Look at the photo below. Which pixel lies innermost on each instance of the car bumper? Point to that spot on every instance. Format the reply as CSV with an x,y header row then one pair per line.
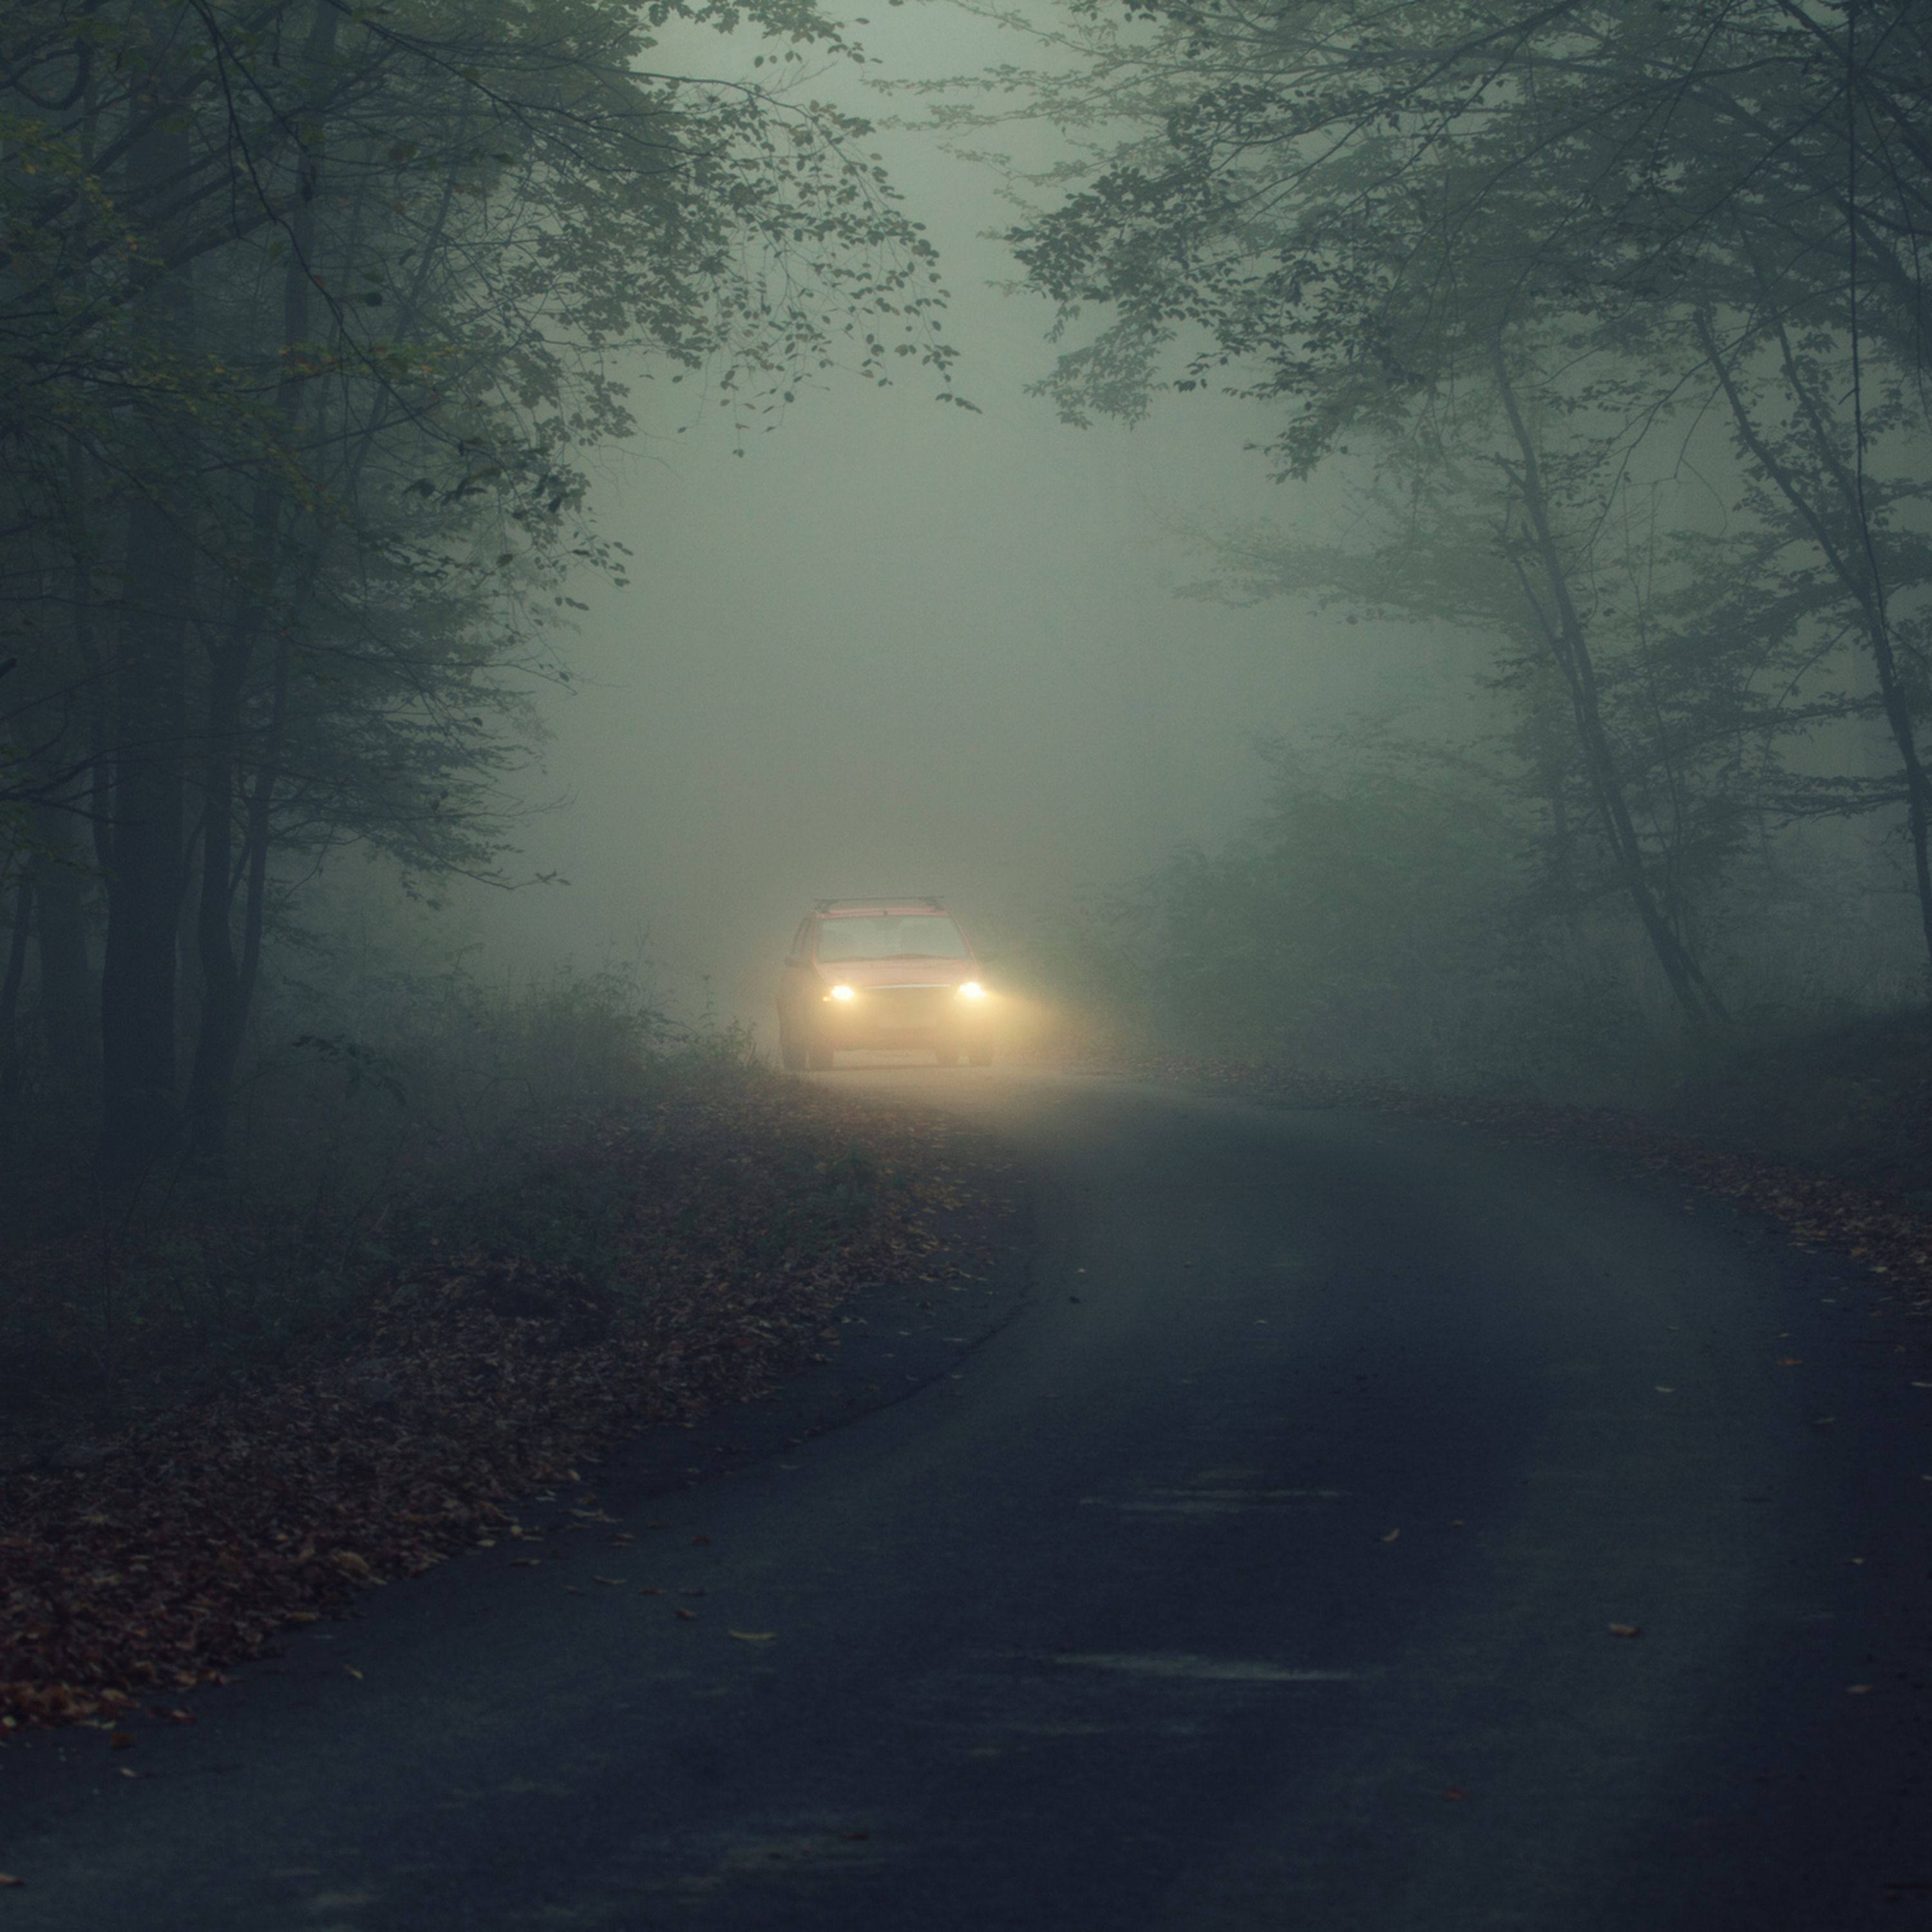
x,y
887,1017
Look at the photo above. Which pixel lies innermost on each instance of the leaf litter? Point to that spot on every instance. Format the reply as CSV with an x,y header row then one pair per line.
x,y
200,1537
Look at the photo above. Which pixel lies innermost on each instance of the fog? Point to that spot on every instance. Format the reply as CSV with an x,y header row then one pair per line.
x,y
1392,601
1565,708
891,645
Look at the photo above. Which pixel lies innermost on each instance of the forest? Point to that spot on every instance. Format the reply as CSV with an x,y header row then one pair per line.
x,y
1292,642
1601,329
312,316
1609,326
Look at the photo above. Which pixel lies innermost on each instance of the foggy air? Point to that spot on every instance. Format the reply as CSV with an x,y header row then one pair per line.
x,y
967,968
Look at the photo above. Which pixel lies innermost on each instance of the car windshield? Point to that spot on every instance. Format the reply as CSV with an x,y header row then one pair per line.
x,y
919,935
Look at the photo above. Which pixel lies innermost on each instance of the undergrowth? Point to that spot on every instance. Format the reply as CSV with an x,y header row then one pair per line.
x,y
380,1133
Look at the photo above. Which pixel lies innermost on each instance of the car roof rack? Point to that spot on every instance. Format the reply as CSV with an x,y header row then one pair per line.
x,y
882,899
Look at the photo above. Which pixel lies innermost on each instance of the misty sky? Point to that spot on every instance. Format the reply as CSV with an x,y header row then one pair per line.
x,y
897,646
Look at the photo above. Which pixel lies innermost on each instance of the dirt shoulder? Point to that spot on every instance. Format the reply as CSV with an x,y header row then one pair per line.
x,y
770,1233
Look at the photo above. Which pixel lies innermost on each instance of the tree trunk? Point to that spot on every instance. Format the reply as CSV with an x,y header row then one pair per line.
x,y
228,983
223,1013
261,810
1860,582
10,990
66,992
1570,647
140,1114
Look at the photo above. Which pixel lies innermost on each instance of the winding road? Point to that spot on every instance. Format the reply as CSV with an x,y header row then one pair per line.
x,y
1265,1570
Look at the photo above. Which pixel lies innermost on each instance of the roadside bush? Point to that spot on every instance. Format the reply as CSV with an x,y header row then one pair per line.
x,y
392,1117
1390,915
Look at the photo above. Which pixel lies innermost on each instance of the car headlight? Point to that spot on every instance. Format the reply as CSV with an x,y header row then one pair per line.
x,y
841,992
971,989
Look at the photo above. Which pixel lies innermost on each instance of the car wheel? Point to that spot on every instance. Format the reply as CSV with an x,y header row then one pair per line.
x,y
981,1056
791,1058
818,1057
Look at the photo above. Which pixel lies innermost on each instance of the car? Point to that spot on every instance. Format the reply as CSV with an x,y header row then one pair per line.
x,y
887,974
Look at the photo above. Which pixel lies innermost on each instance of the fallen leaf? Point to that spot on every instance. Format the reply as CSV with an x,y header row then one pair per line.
x,y
128,1771
1790,1361
8,1878
1456,1794
1858,1690
522,1563
696,1540
614,1582
353,1672
752,1636
687,1616
1662,1389
120,1740
283,1502
1391,1537
1626,1630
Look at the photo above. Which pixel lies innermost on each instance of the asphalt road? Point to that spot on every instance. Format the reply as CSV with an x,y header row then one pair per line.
x,y
1260,1572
